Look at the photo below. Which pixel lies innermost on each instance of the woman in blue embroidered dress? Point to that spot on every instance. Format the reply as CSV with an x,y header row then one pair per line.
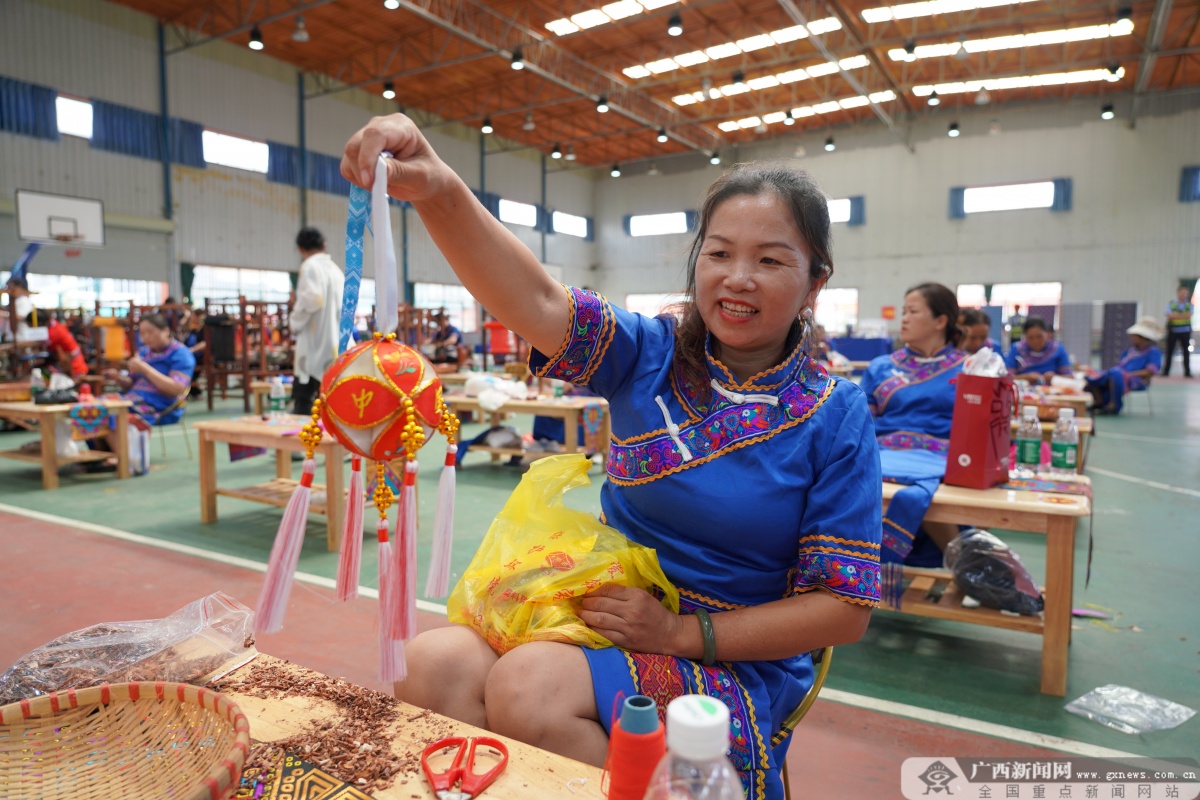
x,y
751,472
1138,364
911,394
1038,357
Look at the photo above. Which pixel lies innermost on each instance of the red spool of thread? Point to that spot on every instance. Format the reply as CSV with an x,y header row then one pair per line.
x,y
637,743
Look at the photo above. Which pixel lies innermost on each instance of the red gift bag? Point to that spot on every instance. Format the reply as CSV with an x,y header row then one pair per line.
x,y
980,432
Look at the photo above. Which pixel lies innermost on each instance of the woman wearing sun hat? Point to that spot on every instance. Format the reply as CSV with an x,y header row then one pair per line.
x,y
1142,360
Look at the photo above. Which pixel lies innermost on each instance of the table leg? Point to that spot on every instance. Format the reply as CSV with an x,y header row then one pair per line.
x,y
208,478
283,464
123,443
258,404
570,418
49,423
1060,575
497,419
335,501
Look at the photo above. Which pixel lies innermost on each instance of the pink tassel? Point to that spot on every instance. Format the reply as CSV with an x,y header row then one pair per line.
x,y
437,584
350,560
406,552
285,554
393,667
391,648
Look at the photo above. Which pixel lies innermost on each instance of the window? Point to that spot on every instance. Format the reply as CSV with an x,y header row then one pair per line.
x,y
72,291
651,305
569,224
459,304
839,211
236,152
229,283
657,224
1008,198
518,213
74,117
1011,296
837,311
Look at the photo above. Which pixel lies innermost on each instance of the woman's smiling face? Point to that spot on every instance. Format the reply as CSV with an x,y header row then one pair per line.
x,y
753,277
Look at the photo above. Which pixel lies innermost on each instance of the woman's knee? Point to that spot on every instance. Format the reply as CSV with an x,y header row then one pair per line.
x,y
535,684
444,660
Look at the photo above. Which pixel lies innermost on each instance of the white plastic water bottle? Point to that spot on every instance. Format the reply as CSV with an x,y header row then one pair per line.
x,y
1064,444
695,765
1029,443
278,396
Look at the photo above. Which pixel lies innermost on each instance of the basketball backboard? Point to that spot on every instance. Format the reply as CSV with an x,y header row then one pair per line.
x,y
59,219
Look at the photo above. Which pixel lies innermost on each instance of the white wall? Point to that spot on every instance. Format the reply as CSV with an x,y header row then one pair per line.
x,y
1126,238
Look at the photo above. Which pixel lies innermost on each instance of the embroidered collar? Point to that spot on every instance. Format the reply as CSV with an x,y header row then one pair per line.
x,y
1028,353
769,379
908,359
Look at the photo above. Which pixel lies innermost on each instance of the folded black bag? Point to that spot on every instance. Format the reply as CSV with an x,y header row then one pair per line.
x,y
56,397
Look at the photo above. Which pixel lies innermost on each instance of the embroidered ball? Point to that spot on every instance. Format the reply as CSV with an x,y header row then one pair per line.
x,y
379,394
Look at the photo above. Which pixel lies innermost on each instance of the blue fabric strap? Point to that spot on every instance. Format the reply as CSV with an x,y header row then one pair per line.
x,y
356,222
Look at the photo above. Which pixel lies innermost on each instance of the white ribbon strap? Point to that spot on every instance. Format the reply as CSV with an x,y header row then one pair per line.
x,y
741,399
386,283
673,430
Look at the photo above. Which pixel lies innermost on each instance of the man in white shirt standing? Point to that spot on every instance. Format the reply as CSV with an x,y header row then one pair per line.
x,y
315,317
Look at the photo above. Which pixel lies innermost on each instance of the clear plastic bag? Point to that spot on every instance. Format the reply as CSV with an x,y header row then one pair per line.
x,y
1130,711
986,569
198,643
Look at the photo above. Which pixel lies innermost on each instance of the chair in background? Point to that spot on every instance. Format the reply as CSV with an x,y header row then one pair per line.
x,y
180,403
1143,393
821,660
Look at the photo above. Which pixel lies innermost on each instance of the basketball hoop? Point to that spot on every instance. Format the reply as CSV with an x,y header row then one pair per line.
x,y
68,239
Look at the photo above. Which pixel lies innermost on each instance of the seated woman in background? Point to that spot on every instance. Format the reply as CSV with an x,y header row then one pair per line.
x,y
1138,364
1038,357
158,376
975,327
911,395
446,342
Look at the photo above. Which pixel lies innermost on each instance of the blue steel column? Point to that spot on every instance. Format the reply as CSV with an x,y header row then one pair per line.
x,y
164,124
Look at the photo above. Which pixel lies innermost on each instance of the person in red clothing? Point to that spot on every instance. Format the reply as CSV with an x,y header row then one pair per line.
x,y
502,344
64,350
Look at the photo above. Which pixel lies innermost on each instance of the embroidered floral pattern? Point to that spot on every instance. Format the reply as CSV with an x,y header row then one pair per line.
x,y
591,332
850,574
908,369
907,440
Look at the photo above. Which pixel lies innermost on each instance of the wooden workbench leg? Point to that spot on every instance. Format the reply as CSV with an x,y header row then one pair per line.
x,y
258,403
497,419
1060,575
283,464
570,420
208,478
123,470
335,496
49,423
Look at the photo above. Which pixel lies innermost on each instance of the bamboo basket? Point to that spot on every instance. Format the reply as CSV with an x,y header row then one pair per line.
x,y
125,740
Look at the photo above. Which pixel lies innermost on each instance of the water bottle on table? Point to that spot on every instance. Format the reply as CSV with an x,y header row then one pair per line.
x,y
278,397
1029,443
1064,444
695,765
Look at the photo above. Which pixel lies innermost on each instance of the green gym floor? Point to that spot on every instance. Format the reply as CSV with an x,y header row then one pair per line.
x,y
977,686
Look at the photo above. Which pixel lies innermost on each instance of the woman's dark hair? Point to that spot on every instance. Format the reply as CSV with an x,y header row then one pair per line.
x,y
157,320
810,212
310,239
1037,322
969,317
942,303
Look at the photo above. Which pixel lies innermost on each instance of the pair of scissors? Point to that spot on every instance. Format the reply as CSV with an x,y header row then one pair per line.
x,y
461,772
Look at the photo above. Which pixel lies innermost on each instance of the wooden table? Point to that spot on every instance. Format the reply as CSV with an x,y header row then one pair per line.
x,y
1080,402
531,773
455,381
1054,515
30,416
568,409
278,435
261,390
1085,425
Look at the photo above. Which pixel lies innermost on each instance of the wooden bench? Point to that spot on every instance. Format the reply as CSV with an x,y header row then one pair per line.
x,y
932,593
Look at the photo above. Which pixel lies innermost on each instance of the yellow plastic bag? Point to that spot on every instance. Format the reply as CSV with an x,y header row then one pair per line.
x,y
539,558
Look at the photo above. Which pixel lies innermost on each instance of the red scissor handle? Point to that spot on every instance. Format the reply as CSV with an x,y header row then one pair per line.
x,y
475,782
444,781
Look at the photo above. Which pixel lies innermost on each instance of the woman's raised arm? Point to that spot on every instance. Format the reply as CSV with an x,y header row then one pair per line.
x,y
494,266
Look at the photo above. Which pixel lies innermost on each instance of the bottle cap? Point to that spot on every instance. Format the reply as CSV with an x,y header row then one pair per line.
x,y
1066,413
697,727
1029,412
639,714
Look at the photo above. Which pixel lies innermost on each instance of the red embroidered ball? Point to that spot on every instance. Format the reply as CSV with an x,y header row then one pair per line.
x,y
365,392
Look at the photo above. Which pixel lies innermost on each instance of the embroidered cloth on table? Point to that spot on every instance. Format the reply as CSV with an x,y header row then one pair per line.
x,y
1046,485
921,472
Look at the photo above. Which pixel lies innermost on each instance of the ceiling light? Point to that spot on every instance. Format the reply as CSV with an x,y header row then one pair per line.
x,y
1107,112
487,125
1113,69
299,33
256,42
739,79
962,53
389,90
790,119
602,105
829,145
953,131
934,100
715,158
615,171
653,169
1022,81
927,8
571,152
556,152
1124,13
518,60
982,98
675,25
662,135
391,5
994,128
910,51
528,124
707,86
